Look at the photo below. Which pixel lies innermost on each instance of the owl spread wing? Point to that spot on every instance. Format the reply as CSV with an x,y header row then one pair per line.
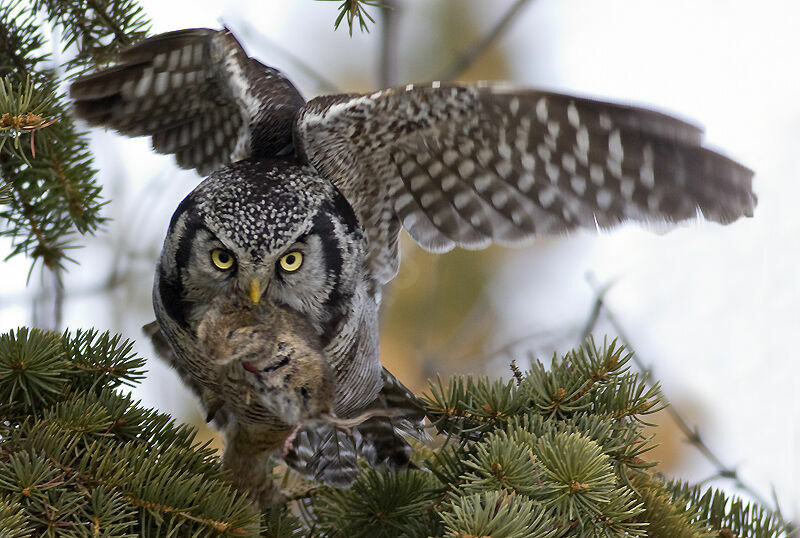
x,y
197,94
454,164
465,165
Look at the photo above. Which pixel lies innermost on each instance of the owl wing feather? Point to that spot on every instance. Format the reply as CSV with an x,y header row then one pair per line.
x,y
456,165
197,94
466,165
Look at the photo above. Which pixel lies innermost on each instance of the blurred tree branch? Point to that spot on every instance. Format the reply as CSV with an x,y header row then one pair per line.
x,y
387,64
324,84
468,56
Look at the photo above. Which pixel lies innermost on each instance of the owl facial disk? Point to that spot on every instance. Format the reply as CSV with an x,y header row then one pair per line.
x,y
249,234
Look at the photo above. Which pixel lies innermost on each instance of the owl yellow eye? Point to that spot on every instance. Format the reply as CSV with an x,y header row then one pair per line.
x,y
222,259
291,262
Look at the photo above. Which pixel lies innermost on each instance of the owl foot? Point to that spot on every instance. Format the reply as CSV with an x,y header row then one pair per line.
x,y
287,444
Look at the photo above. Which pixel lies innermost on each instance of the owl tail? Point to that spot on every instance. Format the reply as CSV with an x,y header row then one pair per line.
x,y
321,452
326,453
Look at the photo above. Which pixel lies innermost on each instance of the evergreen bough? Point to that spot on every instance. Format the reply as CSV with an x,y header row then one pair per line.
x,y
556,451
48,192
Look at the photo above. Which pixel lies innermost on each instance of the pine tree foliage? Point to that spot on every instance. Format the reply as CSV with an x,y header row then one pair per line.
x,y
48,191
78,458
558,451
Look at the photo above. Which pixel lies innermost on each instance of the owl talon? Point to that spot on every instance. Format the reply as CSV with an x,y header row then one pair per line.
x,y
289,442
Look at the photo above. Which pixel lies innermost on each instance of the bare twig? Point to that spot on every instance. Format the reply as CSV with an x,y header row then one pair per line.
x,y
508,348
473,52
692,434
597,307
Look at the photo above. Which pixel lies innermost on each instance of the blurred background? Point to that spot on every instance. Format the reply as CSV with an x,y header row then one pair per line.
x,y
711,310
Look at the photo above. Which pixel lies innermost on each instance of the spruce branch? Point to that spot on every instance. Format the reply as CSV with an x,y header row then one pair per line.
x,y
31,369
728,516
280,523
98,29
22,114
667,518
49,192
13,522
495,513
580,465
379,504
76,455
503,463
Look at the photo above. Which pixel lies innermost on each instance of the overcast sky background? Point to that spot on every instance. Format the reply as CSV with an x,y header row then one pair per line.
x,y
714,310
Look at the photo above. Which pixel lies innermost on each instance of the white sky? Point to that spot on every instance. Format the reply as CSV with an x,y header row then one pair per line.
x,y
713,309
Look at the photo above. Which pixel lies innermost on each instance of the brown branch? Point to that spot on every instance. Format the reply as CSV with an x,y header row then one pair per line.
x,y
219,526
247,31
28,213
68,473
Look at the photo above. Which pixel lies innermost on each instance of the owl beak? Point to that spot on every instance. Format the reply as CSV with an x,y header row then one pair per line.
x,y
255,290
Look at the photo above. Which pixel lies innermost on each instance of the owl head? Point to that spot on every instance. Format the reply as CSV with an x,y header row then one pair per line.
x,y
269,233
258,273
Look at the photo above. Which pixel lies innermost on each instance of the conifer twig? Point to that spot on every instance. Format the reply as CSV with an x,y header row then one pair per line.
x,y
352,10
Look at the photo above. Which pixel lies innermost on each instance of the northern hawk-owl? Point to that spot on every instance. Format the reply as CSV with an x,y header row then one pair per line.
x,y
267,290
